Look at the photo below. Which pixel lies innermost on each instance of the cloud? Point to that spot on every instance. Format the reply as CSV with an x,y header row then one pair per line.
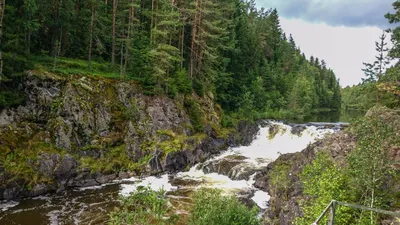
x,y
349,13
343,48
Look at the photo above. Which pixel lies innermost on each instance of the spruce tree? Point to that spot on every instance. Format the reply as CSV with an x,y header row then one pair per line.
x,y
374,71
2,8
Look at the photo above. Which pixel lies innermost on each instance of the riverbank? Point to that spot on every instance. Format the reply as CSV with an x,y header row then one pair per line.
x,y
232,171
285,178
88,131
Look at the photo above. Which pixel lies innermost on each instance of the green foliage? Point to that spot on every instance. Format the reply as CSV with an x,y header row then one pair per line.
x,y
21,163
227,47
279,177
194,112
145,207
370,166
366,177
211,207
115,160
301,97
359,97
11,98
180,83
324,181
68,66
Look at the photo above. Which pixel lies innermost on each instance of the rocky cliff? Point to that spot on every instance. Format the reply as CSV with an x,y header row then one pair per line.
x,y
82,130
284,205
284,202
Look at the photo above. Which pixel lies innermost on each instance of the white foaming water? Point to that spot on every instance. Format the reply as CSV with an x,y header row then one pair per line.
x,y
261,198
262,151
5,205
284,142
155,183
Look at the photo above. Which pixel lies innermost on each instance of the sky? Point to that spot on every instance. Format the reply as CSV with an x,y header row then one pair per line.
x,y
342,32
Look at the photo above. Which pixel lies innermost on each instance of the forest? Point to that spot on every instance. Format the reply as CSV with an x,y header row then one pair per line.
x,y
382,78
227,49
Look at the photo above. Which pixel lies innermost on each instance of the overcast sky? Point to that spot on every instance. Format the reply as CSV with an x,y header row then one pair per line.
x,y
342,32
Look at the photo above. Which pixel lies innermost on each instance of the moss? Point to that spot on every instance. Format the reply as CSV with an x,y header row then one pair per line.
x,y
222,132
22,163
115,160
178,142
168,133
280,179
56,104
92,147
131,112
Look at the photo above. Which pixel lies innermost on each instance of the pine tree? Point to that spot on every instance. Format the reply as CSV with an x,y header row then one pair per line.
x,y
92,7
2,8
30,23
209,38
163,54
114,18
374,71
394,18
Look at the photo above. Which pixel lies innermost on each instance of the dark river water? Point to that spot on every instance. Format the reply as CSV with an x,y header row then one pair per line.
x,y
346,116
92,205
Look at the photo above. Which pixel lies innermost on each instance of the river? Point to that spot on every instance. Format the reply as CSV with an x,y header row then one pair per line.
x,y
232,171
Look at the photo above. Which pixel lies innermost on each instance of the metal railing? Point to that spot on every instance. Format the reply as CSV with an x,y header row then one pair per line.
x,y
332,208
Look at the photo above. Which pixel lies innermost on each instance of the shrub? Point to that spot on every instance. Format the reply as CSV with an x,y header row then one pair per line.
x,y
144,207
212,208
323,181
194,112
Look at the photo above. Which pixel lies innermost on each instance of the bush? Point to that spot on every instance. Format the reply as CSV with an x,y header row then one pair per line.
x,y
182,82
144,207
194,112
323,181
212,208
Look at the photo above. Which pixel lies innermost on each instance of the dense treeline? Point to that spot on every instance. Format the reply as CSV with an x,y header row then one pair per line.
x,y
382,77
228,47
370,174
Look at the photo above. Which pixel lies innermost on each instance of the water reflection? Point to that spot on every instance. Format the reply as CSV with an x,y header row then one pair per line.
x,y
332,116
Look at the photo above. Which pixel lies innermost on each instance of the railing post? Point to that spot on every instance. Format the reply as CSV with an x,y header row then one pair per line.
x,y
332,214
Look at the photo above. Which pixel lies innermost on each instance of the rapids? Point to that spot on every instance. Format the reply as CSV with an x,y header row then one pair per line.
x,y
232,171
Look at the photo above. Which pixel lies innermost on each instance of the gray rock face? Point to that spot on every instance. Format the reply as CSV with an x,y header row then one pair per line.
x,y
284,206
88,117
155,163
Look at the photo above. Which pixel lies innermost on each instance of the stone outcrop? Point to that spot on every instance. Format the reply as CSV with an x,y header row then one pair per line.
x,y
284,204
68,120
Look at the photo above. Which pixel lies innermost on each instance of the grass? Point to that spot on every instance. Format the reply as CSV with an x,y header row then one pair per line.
x,y
22,163
276,114
177,142
69,66
115,160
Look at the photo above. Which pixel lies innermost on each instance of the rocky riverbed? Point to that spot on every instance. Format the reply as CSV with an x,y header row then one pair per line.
x,y
238,171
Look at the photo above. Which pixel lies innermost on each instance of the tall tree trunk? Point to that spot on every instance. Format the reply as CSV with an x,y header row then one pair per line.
x,y
122,61
182,45
152,21
57,4
131,16
28,41
201,40
2,7
57,49
193,45
114,18
91,38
